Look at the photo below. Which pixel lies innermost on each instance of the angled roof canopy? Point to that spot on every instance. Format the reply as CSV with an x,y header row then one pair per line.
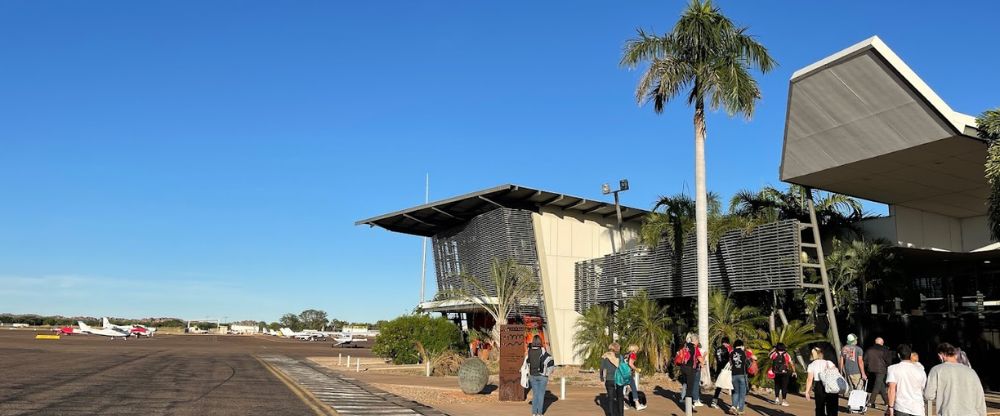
x,y
862,123
429,219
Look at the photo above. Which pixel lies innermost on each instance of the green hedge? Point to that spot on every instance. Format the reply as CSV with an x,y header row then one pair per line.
x,y
397,338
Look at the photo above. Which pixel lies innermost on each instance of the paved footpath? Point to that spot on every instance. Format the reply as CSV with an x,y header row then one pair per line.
x,y
345,395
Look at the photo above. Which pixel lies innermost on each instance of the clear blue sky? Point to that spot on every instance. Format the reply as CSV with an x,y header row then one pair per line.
x,y
209,159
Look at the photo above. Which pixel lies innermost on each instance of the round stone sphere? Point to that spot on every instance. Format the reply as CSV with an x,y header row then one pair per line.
x,y
473,376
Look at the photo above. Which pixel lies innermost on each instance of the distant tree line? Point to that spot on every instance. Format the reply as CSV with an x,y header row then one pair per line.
x,y
317,320
59,320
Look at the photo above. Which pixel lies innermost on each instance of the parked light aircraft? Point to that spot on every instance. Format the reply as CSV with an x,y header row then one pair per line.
x,y
345,339
304,335
68,330
113,333
135,330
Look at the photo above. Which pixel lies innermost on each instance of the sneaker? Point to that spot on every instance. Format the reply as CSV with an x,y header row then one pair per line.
x,y
698,404
713,405
640,406
785,403
732,411
777,401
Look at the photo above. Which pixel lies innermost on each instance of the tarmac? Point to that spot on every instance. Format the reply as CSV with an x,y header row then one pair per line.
x,y
166,374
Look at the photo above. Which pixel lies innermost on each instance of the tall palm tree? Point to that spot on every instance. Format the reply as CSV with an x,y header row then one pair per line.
x,y
592,338
709,58
728,319
796,336
856,267
644,322
989,129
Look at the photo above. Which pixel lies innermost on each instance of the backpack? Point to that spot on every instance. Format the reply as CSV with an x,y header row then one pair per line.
x,y
623,375
832,381
683,357
779,365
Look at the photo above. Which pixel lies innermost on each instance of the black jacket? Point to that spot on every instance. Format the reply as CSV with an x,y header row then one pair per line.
x,y
877,359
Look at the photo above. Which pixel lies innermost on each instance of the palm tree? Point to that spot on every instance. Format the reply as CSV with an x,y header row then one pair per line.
x,y
709,57
837,214
509,285
796,336
592,338
854,268
644,322
728,319
989,129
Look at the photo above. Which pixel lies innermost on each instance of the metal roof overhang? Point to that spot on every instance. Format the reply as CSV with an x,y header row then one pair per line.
x,y
429,219
862,123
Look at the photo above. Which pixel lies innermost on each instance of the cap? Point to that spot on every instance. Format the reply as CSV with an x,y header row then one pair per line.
x,y
852,338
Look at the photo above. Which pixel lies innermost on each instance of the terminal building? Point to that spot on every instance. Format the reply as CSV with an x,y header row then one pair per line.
x,y
859,123
546,231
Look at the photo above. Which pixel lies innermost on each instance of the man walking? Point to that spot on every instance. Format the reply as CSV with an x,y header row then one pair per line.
x,y
906,384
877,359
540,366
852,363
954,388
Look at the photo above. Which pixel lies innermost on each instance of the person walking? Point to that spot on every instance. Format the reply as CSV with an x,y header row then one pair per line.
x,y
633,351
852,363
721,359
609,366
740,361
781,366
954,387
877,360
540,366
826,403
690,360
906,384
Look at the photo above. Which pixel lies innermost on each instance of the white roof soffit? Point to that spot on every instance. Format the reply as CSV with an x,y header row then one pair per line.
x,y
862,123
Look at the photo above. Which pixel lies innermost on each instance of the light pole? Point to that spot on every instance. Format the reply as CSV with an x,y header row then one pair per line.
x,y
606,189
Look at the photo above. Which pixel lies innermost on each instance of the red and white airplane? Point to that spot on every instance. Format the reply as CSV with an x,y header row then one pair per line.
x,y
68,330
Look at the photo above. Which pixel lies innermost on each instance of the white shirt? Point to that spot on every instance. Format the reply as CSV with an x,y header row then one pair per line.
x,y
910,380
817,367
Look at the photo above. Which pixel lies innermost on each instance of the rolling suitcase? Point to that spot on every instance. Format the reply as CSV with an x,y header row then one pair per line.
x,y
857,400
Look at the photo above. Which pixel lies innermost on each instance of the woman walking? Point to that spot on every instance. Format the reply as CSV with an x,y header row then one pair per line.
x,y
690,360
781,366
539,367
633,351
609,366
826,403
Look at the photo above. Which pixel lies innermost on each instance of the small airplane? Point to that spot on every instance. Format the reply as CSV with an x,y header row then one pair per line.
x,y
304,335
346,339
135,330
113,333
68,330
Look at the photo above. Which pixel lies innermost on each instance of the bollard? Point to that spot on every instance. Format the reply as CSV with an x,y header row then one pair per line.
x,y
562,388
340,359
428,365
358,364
637,388
348,361
687,406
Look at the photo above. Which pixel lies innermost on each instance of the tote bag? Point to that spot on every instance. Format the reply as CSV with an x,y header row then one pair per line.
x,y
725,379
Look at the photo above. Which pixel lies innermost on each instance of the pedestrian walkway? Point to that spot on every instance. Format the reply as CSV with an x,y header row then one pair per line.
x,y
347,396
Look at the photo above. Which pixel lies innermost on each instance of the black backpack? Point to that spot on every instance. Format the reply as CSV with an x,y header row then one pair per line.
x,y
779,365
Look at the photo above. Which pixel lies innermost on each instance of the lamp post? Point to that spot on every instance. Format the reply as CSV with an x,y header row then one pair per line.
x,y
606,189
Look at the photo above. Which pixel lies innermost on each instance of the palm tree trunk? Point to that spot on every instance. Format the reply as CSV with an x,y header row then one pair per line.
x,y
701,220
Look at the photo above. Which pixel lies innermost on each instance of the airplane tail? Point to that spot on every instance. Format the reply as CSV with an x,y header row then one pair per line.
x,y
287,332
83,327
106,322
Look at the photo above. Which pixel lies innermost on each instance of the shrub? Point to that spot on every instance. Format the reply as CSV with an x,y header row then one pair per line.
x,y
397,339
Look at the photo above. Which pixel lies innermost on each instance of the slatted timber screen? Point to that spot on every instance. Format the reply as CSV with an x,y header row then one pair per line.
x,y
470,248
766,258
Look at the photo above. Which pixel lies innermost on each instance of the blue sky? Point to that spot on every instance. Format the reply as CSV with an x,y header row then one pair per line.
x,y
209,159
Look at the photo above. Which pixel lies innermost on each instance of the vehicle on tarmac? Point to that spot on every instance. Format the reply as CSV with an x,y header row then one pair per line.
x,y
346,339
111,333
